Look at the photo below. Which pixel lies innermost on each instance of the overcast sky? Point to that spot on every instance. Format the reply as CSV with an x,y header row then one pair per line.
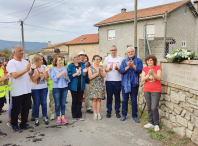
x,y
75,17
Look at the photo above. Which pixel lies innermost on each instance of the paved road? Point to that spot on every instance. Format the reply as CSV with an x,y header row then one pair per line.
x,y
106,132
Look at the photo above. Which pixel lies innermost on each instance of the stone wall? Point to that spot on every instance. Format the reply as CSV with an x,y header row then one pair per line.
x,y
178,109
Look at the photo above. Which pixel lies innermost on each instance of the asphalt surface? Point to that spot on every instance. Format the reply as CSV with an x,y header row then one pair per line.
x,y
105,132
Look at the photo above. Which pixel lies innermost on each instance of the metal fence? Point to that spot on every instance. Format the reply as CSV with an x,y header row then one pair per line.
x,y
179,31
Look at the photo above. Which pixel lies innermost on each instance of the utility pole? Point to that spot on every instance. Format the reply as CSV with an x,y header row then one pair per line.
x,y
23,46
135,26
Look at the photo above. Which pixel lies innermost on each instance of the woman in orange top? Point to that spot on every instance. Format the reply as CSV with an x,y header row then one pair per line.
x,y
152,90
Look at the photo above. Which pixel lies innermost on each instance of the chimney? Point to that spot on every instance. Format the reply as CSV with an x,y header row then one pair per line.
x,y
196,4
49,43
123,10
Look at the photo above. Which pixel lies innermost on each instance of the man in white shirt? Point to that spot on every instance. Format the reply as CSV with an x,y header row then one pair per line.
x,y
113,80
18,69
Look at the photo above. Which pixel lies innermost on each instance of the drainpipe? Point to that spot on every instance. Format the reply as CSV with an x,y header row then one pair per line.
x,y
165,33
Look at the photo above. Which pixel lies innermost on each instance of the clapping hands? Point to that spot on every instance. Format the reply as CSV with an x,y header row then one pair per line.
x,y
150,72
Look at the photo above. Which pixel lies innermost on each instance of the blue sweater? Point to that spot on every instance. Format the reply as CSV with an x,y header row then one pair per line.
x,y
130,77
74,80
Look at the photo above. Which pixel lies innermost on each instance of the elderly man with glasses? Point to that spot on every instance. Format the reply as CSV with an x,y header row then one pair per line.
x,y
113,80
130,68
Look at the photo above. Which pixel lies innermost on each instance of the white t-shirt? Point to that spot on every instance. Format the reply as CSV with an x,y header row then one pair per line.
x,y
41,83
20,85
113,75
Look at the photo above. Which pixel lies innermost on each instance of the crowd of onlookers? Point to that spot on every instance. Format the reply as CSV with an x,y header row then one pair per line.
x,y
28,85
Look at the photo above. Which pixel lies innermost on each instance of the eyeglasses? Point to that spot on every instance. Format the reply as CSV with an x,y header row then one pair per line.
x,y
113,50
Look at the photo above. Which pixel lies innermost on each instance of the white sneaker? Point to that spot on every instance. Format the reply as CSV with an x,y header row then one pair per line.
x,y
156,128
149,125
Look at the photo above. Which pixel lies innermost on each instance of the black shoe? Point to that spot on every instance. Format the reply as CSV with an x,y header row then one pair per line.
x,y
108,114
103,98
45,121
36,122
33,118
27,127
90,111
118,114
0,121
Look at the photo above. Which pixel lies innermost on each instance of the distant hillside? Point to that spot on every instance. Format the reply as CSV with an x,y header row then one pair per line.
x,y
29,46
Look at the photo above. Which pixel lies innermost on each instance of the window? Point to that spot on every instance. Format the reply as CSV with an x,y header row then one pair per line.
x,y
183,43
82,39
111,34
150,30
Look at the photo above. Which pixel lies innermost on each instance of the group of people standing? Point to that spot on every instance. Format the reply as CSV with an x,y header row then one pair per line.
x,y
81,76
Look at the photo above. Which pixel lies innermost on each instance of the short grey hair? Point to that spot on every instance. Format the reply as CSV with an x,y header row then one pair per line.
x,y
14,48
113,46
72,57
130,48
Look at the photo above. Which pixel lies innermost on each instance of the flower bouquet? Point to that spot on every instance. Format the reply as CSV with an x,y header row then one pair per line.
x,y
179,55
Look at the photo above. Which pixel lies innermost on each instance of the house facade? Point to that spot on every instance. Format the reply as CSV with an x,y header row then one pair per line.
x,y
163,32
88,43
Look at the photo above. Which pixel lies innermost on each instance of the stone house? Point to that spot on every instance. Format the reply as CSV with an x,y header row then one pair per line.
x,y
170,18
87,43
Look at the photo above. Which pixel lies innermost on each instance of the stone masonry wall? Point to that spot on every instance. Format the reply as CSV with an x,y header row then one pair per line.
x,y
178,109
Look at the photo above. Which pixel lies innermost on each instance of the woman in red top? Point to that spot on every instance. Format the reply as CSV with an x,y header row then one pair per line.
x,y
152,90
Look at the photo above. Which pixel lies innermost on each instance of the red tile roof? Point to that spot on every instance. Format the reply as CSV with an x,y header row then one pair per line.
x,y
55,45
83,39
142,13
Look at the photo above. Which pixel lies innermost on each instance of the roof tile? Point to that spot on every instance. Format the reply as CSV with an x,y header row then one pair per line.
x,y
83,39
152,11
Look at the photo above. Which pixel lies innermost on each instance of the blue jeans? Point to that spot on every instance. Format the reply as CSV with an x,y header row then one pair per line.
x,y
113,88
125,98
60,95
40,97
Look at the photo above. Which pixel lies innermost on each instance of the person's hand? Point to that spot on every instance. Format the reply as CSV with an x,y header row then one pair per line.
x,y
150,72
111,66
28,66
86,64
79,70
66,78
34,66
64,73
48,68
85,70
4,77
116,67
99,69
131,63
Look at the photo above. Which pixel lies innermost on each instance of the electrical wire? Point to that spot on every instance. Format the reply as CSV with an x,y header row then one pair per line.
x,y
51,28
34,9
29,11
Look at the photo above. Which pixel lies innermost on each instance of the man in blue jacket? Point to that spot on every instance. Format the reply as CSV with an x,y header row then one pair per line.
x,y
130,68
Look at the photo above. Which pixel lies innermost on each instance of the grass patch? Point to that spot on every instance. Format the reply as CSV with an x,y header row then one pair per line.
x,y
157,136
166,136
169,131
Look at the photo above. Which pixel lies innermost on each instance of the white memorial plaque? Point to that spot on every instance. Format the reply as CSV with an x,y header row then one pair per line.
x,y
181,74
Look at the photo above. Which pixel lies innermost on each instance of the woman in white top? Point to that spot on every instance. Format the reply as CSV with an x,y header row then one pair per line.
x,y
39,88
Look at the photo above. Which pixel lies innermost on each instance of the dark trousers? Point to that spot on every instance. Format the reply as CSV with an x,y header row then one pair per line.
x,y
113,88
23,103
152,101
125,97
76,103
1,103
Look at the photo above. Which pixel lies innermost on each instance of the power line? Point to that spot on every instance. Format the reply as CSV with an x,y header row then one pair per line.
x,y
51,29
29,11
10,22
36,10
50,9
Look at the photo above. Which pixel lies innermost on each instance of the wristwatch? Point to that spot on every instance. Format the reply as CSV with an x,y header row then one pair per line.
x,y
32,69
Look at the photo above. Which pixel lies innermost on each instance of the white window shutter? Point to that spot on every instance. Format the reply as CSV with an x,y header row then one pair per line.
x,y
111,34
150,30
